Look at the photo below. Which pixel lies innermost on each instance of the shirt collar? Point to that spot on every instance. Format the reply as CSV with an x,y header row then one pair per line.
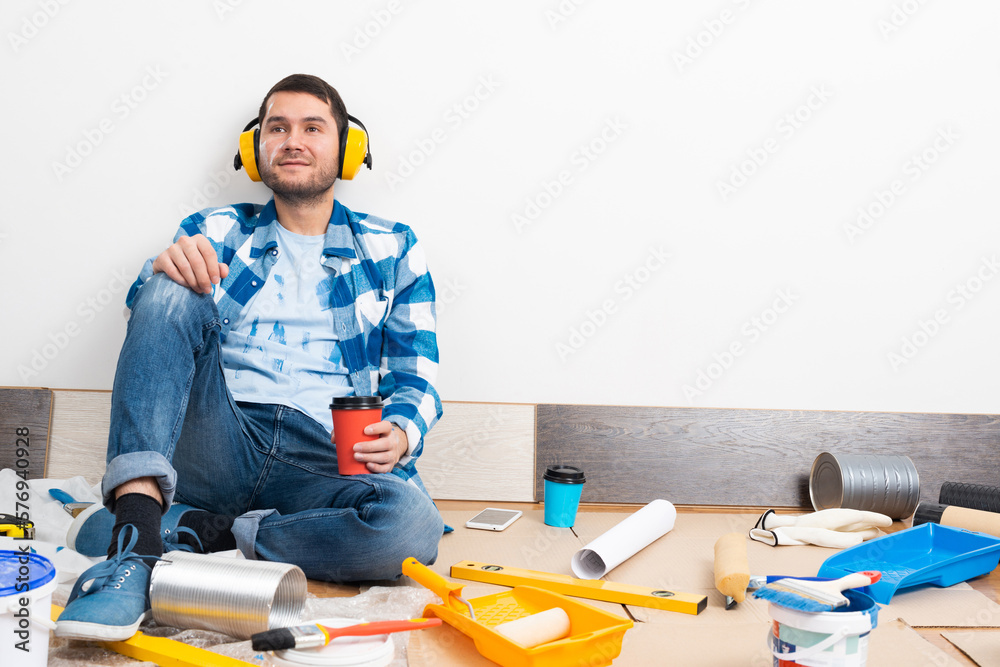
x,y
339,240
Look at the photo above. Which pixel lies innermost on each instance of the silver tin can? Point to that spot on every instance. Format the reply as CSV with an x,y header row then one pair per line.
x,y
230,595
885,484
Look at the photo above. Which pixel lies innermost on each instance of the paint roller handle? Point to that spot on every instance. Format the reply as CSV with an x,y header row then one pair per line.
x,y
448,592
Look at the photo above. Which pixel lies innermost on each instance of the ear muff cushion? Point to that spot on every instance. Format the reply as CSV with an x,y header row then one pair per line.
x,y
353,153
248,153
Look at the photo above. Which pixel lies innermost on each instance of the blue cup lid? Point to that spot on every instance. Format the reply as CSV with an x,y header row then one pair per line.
x,y
564,474
38,571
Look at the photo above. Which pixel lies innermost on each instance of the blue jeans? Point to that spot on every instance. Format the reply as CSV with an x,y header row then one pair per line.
x,y
274,468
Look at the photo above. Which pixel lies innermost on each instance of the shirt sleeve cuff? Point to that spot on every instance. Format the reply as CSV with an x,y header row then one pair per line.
x,y
413,436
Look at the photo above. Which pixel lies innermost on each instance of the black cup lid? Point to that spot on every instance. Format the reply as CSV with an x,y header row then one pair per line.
x,y
564,474
356,402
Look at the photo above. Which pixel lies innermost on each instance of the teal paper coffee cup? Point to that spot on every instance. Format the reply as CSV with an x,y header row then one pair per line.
x,y
563,485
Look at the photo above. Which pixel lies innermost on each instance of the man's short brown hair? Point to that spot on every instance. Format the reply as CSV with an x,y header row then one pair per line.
x,y
315,86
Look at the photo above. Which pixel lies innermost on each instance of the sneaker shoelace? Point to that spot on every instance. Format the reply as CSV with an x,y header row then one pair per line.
x,y
102,574
172,541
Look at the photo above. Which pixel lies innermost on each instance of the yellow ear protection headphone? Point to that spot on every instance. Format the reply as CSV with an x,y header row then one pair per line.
x,y
353,150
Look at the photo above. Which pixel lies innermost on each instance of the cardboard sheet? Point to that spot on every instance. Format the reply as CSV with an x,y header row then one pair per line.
x,y
982,646
895,643
957,607
444,646
708,646
526,543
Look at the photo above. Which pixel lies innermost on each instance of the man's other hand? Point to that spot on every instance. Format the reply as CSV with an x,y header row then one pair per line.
x,y
382,454
192,262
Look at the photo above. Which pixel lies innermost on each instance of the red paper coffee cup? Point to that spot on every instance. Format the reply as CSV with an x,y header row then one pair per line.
x,y
351,414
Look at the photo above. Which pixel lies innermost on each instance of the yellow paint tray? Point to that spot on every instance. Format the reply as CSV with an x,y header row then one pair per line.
x,y
595,636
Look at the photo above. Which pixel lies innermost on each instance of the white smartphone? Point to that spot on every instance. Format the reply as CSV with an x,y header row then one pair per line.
x,y
492,518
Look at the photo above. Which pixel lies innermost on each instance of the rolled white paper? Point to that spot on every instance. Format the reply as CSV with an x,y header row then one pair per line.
x,y
624,540
545,626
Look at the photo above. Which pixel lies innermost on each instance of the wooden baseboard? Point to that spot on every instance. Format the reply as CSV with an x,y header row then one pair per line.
x,y
693,457
25,423
732,457
478,451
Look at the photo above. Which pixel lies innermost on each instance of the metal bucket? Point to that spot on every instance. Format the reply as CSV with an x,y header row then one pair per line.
x,y
229,595
885,484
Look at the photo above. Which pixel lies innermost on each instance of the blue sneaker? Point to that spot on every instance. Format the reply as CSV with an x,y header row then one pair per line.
x,y
117,601
90,533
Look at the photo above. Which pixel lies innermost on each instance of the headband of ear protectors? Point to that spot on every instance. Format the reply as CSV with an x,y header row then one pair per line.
x,y
353,150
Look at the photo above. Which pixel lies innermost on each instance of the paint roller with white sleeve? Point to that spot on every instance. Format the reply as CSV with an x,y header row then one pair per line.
x,y
624,540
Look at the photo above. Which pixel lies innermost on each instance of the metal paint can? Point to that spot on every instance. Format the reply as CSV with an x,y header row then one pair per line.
x,y
885,484
234,596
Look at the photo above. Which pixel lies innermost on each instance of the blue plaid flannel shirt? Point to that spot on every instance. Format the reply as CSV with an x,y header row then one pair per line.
x,y
382,298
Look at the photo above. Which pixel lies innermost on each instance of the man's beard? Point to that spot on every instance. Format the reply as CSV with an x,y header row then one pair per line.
x,y
300,193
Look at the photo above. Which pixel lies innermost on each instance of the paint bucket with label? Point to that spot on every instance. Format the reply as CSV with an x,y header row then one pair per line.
x,y
230,595
837,638
26,584
888,485
371,651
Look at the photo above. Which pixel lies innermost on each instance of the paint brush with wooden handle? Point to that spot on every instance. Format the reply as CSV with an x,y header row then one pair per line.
x,y
732,569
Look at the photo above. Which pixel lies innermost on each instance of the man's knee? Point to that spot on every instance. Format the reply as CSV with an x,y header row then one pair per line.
x,y
417,533
161,299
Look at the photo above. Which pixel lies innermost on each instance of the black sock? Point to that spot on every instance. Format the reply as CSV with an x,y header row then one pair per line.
x,y
214,530
144,513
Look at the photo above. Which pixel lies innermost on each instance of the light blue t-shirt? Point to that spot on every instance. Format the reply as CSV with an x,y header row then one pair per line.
x,y
283,349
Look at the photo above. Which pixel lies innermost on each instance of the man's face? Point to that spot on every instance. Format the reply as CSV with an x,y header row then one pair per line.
x,y
299,147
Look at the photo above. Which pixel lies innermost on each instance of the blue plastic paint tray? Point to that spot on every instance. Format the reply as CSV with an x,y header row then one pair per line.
x,y
926,554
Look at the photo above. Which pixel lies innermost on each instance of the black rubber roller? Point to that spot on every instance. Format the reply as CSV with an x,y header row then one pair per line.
x,y
972,496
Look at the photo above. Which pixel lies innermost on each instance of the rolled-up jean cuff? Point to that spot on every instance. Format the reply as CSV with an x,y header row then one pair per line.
x,y
245,530
134,465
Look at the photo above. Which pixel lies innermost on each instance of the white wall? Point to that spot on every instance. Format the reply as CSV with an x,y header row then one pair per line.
x,y
836,100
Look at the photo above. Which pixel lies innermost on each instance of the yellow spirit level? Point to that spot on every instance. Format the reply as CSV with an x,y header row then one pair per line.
x,y
608,591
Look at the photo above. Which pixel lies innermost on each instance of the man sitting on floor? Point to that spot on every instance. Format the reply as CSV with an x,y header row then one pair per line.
x,y
240,333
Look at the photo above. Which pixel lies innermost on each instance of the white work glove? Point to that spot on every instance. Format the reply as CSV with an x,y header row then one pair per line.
x,y
821,537
836,528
